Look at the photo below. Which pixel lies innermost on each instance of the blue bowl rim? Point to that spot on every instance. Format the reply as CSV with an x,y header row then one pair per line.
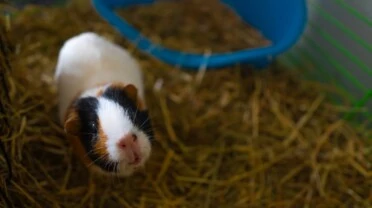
x,y
195,61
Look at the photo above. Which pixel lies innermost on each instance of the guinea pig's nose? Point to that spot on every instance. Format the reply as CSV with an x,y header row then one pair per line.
x,y
127,141
130,147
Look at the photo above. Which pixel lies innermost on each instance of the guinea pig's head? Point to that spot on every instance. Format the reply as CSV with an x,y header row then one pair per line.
x,y
113,128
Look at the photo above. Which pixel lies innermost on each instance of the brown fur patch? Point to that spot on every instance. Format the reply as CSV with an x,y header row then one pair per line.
x,y
132,93
100,146
72,129
99,93
141,104
72,122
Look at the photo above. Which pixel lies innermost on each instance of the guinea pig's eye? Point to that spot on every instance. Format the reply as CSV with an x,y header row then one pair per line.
x,y
93,125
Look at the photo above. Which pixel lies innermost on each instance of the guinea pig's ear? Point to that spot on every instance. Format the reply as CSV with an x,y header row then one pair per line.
x,y
131,91
72,123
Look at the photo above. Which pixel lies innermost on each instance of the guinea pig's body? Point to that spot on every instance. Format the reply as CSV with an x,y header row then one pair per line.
x,y
102,105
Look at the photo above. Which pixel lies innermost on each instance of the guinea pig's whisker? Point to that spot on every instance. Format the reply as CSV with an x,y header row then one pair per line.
x,y
135,114
106,165
90,164
99,158
152,129
91,151
114,173
149,131
148,118
109,164
116,169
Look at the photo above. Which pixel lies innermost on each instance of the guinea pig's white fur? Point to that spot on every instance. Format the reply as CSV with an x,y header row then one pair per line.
x,y
87,61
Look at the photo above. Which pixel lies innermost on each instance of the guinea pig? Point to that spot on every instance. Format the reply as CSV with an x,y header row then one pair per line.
x,y
102,106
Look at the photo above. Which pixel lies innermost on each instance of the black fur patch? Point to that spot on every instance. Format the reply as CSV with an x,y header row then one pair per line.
x,y
140,119
87,111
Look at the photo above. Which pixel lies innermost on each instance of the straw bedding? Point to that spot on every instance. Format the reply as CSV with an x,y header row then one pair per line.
x,y
196,24
224,139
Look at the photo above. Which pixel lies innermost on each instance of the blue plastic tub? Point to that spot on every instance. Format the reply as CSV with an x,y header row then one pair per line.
x,y
281,21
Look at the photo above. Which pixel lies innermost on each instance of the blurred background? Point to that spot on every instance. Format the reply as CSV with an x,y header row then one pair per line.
x,y
337,47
